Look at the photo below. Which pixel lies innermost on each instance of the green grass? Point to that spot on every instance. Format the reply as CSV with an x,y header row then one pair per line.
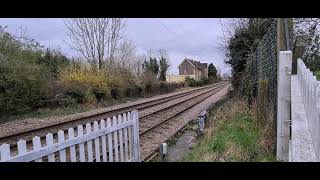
x,y
318,75
237,139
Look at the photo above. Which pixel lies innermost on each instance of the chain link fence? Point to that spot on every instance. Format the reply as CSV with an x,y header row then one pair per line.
x,y
262,65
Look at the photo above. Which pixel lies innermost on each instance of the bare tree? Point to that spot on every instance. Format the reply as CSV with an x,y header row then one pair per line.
x,y
117,25
95,38
139,63
127,54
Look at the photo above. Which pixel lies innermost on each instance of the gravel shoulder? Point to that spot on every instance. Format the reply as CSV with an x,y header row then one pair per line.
x,y
150,143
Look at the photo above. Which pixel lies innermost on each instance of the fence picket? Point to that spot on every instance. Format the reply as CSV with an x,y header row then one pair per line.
x,y
89,143
81,145
115,140
130,136
120,139
110,141
119,132
125,131
49,139
5,152
96,142
62,153
22,147
36,143
73,156
309,93
103,141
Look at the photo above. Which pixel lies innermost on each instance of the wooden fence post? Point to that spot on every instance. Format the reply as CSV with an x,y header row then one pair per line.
x,y
262,101
283,104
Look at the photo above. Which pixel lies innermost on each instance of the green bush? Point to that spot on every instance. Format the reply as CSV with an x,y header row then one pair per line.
x,y
99,94
91,98
115,92
76,94
138,89
22,86
148,88
205,81
164,87
190,82
193,83
70,102
23,81
133,90
318,75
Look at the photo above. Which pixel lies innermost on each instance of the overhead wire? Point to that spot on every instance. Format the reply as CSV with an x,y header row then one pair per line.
x,y
176,35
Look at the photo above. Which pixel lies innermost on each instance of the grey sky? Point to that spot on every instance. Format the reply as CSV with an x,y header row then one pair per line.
x,y
194,38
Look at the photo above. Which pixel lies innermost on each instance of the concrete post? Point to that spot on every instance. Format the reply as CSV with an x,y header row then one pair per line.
x,y
283,104
201,121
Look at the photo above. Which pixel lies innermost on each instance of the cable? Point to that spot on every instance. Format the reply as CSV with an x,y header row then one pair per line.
x,y
166,27
182,34
178,35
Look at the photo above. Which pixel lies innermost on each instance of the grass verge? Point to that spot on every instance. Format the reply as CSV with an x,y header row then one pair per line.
x,y
318,75
233,134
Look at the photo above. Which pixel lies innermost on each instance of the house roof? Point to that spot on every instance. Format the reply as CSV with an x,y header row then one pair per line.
x,y
196,64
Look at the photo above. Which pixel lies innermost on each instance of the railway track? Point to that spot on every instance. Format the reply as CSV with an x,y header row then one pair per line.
x,y
73,121
162,127
154,114
166,112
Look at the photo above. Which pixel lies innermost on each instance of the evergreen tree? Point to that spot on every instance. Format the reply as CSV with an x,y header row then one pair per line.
x,y
212,71
164,65
151,66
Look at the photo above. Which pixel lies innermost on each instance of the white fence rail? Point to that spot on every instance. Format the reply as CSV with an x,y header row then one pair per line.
x,y
310,92
115,140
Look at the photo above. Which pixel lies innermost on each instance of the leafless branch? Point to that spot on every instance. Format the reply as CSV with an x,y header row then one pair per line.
x,y
95,38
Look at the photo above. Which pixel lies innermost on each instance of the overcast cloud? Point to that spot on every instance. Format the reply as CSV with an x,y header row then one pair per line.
x,y
181,37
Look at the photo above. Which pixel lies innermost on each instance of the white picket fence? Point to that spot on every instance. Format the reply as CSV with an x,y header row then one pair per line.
x,y
310,91
115,140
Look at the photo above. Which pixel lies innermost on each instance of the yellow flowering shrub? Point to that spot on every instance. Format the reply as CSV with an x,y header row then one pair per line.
x,y
84,84
85,77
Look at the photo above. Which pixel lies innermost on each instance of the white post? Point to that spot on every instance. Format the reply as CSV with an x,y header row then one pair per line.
x,y
317,122
283,104
136,143
5,152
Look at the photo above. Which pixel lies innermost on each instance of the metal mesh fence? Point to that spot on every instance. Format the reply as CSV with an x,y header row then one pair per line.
x,y
262,64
